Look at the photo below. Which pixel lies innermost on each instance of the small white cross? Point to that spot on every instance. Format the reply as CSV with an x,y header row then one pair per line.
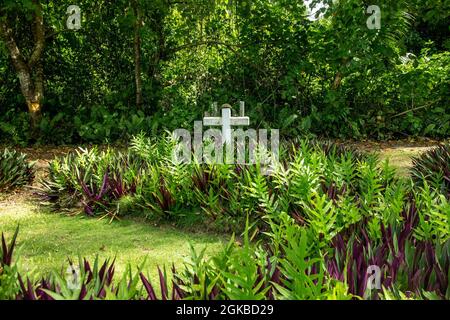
x,y
226,121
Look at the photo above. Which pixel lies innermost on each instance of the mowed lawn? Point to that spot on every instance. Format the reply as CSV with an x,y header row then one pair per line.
x,y
46,240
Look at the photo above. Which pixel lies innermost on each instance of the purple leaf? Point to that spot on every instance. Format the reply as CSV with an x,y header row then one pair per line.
x,y
148,287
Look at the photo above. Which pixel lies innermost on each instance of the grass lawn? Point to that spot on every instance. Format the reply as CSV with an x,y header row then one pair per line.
x,y
46,240
401,158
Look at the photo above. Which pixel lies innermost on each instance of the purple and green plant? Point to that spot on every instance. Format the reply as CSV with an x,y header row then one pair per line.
x,y
434,167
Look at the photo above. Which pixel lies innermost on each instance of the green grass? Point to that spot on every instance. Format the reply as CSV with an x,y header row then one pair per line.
x,y
46,240
401,158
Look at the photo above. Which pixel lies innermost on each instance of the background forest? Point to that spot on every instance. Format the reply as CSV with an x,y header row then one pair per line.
x,y
154,65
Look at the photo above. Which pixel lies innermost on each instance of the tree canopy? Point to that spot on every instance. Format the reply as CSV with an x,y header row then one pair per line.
x,y
153,65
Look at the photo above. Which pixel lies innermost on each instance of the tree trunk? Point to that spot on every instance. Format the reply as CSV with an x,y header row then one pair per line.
x,y
34,102
31,72
337,81
137,55
159,55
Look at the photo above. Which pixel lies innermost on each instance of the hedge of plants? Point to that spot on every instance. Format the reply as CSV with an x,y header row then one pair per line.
x,y
145,180
311,178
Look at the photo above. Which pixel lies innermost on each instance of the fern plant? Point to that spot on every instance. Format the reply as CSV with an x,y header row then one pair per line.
x,y
370,183
434,215
321,219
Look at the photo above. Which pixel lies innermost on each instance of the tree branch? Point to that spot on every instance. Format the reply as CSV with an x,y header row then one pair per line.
x,y
39,34
17,58
415,109
230,46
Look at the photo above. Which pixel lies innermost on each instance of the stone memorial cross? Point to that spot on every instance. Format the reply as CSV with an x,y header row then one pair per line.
x,y
227,120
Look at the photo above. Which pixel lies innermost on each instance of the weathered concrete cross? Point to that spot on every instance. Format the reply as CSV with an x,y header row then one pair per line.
x,y
226,121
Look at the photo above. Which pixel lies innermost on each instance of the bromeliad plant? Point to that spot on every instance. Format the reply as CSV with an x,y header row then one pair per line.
x,y
112,189
83,281
15,170
98,181
433,166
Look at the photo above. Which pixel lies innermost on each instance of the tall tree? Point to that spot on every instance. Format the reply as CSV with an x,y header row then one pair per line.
x,y
29,69
137,53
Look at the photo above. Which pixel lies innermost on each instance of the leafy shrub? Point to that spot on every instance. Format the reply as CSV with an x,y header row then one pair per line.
x,y
15,128
99,124
220,195
409,99
15,170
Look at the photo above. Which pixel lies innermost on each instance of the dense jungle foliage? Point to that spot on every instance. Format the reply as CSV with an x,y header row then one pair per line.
x,y
148,66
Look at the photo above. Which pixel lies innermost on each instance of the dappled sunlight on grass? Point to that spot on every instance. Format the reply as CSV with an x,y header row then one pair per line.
x,y
46,240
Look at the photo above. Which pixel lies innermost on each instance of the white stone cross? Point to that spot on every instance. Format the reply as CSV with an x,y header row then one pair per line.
x,y
226,121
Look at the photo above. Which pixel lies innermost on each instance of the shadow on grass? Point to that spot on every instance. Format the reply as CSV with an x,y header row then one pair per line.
x,y
46,240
